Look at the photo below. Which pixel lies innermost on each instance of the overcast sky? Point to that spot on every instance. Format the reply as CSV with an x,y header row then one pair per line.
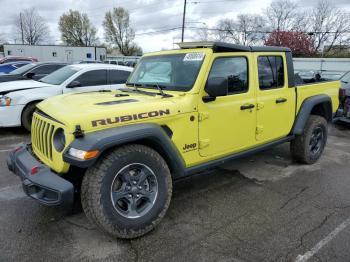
x,y
146,16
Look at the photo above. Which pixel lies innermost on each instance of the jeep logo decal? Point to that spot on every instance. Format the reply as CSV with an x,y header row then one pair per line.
x,y
189,147
126,118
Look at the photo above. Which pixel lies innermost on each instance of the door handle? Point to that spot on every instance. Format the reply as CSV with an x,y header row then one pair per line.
x,y
247,107
281,100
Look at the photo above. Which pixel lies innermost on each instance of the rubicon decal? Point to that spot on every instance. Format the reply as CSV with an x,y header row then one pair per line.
x,y
127,118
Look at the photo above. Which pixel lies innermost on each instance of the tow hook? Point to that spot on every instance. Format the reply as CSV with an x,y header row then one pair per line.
x,y
78,133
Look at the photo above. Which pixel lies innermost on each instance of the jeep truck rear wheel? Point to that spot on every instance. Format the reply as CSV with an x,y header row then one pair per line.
x,y
308,147
128,191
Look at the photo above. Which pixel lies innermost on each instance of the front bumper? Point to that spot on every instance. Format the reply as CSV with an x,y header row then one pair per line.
x,y
45,186
10,115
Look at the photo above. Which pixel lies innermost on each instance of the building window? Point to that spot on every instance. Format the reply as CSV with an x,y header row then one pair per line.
x,y
88,55
9,52
54,54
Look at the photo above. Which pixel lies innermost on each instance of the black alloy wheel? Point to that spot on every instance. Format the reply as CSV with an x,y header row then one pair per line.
x,y
134,190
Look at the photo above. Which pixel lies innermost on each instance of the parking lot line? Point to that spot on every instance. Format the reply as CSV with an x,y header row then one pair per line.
x,y
11,192
11,138
10,148
5,150
323,242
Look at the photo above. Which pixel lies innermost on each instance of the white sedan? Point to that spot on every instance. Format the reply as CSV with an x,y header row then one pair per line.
x,y
19,98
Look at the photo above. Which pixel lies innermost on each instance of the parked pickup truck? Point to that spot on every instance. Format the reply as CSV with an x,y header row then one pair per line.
x,y
181,112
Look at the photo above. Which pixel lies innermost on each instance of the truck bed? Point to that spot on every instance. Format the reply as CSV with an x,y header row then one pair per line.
x,y
329,88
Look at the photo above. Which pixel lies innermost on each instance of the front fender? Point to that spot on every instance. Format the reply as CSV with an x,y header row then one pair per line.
x,y
149,134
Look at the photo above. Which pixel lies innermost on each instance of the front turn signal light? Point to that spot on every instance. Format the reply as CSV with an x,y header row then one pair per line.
x,y
83,155
90,154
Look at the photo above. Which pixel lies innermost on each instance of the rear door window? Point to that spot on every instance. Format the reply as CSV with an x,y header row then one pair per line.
x,y
93,78
271,72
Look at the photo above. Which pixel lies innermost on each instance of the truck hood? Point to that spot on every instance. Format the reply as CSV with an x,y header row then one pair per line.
x,y
8,87
101,110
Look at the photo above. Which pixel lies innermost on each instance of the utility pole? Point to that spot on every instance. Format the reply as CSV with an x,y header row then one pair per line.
x,y
183,21
21,23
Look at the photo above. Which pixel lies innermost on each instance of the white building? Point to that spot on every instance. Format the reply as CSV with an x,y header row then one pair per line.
x,y
322,64
56,53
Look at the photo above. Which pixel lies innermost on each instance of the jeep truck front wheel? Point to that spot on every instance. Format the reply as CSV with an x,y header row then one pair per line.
x,y
27,116
128,191
308,147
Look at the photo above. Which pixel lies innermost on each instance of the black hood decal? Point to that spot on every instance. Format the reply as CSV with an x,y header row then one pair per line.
x,y
109,103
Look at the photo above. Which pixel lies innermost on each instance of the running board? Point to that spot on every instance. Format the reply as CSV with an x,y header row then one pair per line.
x,y
220,161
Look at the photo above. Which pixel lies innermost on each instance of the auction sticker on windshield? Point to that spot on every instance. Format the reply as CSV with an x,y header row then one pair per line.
x,y
194,57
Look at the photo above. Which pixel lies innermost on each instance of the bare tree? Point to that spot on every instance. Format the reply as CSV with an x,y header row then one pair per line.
x,y
301,21
225,30
245,30
328,25
119,32
203,33
77,30
281,15
31,27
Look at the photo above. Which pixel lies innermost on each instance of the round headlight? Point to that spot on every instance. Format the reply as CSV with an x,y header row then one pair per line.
x,y
59,140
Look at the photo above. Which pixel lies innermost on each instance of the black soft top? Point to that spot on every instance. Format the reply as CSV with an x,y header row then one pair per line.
x,y
227,47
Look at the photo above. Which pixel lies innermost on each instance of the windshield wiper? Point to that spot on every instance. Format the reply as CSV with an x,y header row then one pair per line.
x,y
160,88
136,90
134,85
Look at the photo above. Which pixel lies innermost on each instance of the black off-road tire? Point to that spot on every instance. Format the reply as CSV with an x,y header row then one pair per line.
x,y
300,146
27,116
96,191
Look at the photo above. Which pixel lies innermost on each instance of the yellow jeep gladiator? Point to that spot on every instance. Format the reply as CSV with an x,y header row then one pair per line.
x,y
181,112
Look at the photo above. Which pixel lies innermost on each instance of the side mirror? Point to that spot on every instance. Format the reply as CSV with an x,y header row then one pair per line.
x,y
30,75
216,86
74,84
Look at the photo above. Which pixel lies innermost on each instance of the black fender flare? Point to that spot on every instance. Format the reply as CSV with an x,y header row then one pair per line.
x,y
306,109
149,134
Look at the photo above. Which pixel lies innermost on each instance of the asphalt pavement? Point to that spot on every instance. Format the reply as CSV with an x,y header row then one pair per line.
x,y
261,208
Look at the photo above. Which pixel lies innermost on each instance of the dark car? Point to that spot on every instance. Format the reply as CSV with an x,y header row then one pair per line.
x,y
9,59
9,67
343,114
33,71
89,62
344,97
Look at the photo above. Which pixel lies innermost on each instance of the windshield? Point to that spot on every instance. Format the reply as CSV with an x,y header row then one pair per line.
x,y
173,72
22,69
59,76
